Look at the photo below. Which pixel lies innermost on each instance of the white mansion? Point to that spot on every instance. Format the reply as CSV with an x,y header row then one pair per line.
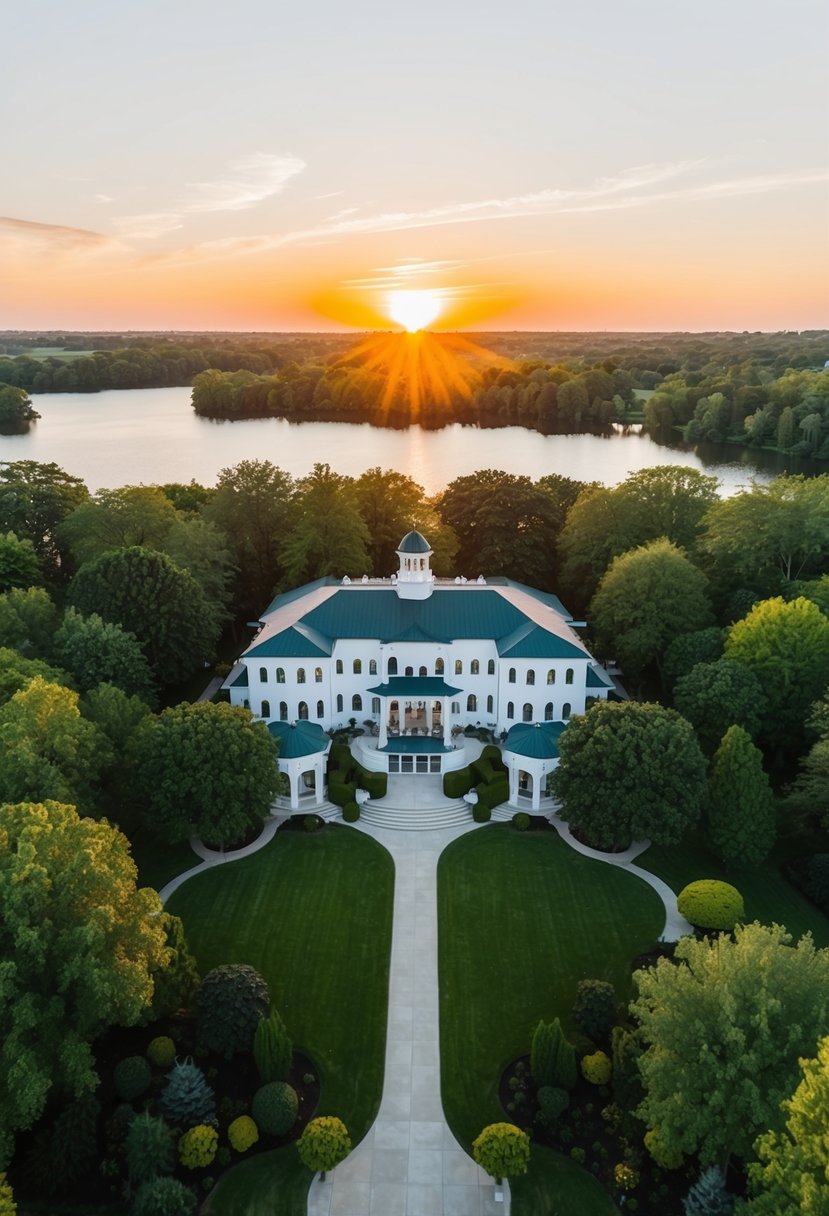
x,y
413,657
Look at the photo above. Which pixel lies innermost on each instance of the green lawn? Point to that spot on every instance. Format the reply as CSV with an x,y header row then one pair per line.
x,y
313,914
521,919
769,896
158,863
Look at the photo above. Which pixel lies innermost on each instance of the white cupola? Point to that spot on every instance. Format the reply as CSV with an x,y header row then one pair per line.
x,y
414,578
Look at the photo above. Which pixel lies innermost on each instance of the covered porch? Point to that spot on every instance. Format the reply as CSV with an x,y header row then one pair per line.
x,y
415,708
303,747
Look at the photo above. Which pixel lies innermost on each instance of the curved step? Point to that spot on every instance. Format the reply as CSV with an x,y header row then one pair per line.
x,y
421,818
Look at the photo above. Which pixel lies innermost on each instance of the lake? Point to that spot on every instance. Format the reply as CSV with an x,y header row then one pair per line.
x,y
124,437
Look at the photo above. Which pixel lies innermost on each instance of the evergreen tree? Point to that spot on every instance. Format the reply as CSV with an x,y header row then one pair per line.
x,y
741,818
552,1057
708,1196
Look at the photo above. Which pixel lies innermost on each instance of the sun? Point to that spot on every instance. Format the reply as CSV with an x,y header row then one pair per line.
x,y
414,310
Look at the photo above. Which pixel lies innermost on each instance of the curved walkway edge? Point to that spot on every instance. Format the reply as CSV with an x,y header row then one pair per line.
x,y
213,857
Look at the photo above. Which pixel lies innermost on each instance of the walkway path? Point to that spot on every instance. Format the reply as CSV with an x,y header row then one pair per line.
x,y
410,1164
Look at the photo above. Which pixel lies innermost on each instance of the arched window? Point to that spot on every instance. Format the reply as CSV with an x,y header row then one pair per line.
x,y
410,671
528,712
458,667
266,709
356,701
300,675
263,674
456,707
318,675
490,704
551,676
510,710
320,709
392,666
302,711
422,671
439,667
474,668
357,667
490,667
471,704
568,676
375,705
565,710
339,667
531,677
511,676
548,712
280,675
283,711
372,667
339,702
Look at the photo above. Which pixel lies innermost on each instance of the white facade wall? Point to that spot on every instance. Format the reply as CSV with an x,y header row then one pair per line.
x,y
541,693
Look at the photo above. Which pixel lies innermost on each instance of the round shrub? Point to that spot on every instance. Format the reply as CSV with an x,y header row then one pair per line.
x,y
163,1197
197,1147
521,820
324,1143
161,1052
274,1108
132,1078
596,1068
552,1102
311,823
242,1133
711,904
232,999
351,812
480,813
666,1156
595,1008
502,1149
625,1177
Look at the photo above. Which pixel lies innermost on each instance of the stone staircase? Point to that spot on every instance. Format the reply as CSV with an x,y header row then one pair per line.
x,y
445,814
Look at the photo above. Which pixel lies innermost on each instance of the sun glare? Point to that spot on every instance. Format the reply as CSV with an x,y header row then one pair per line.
x,y
414,310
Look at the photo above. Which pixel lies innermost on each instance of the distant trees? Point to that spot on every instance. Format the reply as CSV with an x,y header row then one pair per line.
x,y
34,500
629,771
328,536
79,943
118,519
19,564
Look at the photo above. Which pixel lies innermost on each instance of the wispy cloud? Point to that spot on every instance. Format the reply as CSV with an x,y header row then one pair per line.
x,y
631,188
248,181
17,234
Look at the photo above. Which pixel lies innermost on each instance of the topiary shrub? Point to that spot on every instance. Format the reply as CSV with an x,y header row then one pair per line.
x,y
149,1149
596,1068
242,1133
625,1177
552,1103
711,904
311,823
375,784
132,1077
481,814
232,1000
666,1156
340,790
272,1048
595,1008
521,821
552,1057
351,812
186,1098
163,1197
324,1143
175,984
493,755
340,758
161,1051
274,1108
197,1147
482,770
457,783
503,1150
493,793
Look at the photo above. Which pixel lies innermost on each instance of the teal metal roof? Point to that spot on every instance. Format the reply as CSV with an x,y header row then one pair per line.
x,y
532,642
415,746
298,739
598,678
297,642
414,542
415,686
536,740
241,680
443,617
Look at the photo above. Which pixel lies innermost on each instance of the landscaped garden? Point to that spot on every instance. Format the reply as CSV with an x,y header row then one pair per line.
x,y
521,919
312,913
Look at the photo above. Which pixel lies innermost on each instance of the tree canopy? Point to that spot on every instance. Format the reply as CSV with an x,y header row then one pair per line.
x,y
741,816
19,564
627,771
724,1030
118,519
714,696
204,767
95,651
34,499
161,606
328,536
28,620
78,943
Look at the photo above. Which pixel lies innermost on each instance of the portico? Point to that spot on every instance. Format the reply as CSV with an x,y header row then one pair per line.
x,y
425,698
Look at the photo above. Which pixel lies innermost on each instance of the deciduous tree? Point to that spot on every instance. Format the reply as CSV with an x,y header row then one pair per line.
x,y
95,651
28,620
118,519
628,771
328,536
714,696
78,942
724,1031
19,564
34,499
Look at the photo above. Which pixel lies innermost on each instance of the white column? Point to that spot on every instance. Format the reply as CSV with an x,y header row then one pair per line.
x,y
513,784
537,779
430,702
293,777
384,722
447,728
319,780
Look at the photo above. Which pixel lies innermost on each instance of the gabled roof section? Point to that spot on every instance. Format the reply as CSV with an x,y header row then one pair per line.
x,y
415,686
298,642
240,680
531,642
597,677
415,633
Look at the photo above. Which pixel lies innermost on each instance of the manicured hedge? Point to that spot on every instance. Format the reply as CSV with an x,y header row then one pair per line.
x,y
480,813
457,783
351,812
376,784
493,755
340,758
711,904
493,793
340,790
